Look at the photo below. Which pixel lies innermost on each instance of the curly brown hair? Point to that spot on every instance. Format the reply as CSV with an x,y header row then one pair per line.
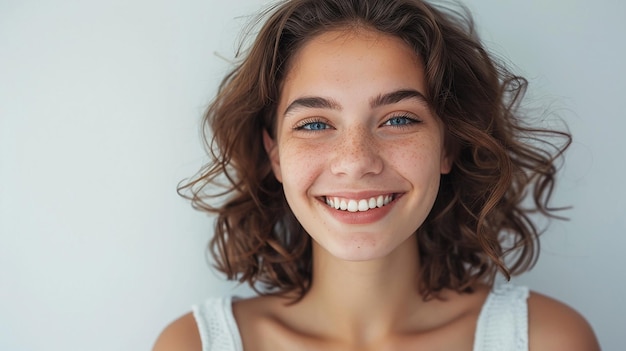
x,y
480,214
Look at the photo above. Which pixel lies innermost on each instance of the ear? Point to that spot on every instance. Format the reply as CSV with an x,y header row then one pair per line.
x,y
446,162
449,153
272,152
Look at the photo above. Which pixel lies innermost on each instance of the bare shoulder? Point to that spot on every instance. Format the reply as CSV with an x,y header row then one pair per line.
x,y
555,326
181,335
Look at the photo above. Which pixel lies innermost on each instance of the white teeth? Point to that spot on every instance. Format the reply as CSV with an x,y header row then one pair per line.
x,y
380,201
352,206
371,203
362,205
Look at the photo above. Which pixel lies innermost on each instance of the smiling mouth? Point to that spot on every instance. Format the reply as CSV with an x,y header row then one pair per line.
x,y
361,205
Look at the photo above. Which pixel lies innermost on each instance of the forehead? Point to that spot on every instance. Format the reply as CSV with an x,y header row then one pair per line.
x,y
352,58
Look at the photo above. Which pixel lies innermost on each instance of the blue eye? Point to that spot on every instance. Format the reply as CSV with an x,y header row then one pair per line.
x,y
399,121
314,126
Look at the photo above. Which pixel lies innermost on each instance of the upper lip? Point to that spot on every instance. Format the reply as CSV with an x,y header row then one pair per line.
x,y
358,195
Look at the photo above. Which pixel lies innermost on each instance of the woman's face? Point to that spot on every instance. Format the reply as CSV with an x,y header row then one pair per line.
x,y
357,149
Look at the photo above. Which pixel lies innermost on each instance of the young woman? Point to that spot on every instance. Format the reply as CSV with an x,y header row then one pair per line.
x,y
375,170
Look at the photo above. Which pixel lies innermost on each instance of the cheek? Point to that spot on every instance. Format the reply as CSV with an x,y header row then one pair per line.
x,y
301,163
416,160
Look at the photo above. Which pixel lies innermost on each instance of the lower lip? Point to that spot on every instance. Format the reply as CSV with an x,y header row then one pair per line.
x,y
364,217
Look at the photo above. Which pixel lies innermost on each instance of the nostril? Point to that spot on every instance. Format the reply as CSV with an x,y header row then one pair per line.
x,y
356,157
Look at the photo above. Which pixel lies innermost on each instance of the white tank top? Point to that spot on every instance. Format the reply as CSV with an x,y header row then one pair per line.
x,y
502,323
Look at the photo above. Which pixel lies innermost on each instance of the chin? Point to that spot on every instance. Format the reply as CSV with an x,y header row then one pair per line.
x,y
358,248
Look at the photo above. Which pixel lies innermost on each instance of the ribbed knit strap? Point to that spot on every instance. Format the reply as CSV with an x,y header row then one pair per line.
x,y
217,325
503,320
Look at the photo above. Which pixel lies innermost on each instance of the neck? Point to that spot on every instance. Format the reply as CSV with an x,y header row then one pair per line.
x,y
367,299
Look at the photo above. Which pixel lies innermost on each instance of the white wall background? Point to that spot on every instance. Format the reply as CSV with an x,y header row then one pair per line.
x,y
99,109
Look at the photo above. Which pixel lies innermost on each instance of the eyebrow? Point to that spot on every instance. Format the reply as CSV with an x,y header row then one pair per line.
x,y
397,96
378,101
313,102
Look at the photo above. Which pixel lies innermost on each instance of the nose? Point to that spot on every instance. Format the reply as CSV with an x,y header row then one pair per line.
x,y
356,154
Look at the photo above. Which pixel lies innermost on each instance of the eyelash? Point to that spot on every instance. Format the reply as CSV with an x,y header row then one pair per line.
x,y
306,124
407,119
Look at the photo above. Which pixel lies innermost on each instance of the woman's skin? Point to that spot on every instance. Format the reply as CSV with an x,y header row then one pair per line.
x,y
353,124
